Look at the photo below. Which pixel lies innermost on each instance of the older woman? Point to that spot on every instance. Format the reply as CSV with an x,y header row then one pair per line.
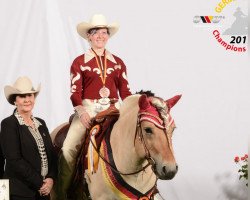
x,y
26,146
96,77
1,164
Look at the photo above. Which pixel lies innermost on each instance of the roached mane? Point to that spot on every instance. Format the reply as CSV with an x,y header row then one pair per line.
x,y
147,92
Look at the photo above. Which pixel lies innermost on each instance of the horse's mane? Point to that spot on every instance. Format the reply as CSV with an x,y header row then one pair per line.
x,y
147,92
129,104
132,101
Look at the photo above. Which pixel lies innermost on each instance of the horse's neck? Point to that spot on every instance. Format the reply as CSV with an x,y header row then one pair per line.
x,y
123,150
125,156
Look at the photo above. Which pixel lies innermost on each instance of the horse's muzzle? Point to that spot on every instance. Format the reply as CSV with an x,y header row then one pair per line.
x,y
167,172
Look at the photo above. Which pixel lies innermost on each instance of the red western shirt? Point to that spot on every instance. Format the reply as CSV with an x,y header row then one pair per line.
x,y
86,78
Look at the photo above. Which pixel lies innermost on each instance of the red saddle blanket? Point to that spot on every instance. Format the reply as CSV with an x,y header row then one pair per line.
x,y
106,126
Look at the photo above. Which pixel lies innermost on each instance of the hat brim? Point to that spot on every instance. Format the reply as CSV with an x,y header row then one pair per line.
x,y
84,27
9,91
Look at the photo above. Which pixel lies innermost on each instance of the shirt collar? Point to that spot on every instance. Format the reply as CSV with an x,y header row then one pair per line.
x,y
90,55
22,122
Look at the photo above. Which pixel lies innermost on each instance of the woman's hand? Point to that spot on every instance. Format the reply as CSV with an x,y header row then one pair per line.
x,y
85,119
46,187
83,116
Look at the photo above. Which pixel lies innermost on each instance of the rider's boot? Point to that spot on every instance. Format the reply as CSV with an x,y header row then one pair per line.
x,y
64,179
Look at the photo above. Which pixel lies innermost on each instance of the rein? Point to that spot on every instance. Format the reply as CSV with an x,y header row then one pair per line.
x,y
148,157
113,168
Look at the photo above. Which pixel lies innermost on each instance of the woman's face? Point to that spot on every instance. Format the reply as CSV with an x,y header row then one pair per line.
x,y
25,103
98,38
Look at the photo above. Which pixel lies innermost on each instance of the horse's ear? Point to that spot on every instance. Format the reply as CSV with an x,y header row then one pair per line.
x,y
172,101
143,102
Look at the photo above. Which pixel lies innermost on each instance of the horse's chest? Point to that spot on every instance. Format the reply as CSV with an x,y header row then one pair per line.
x,y
98,187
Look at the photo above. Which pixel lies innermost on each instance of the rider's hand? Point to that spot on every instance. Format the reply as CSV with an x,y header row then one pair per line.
x,y
85,119
83,115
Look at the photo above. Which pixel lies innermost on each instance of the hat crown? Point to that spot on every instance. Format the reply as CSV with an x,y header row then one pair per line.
x,y
98,20
23,84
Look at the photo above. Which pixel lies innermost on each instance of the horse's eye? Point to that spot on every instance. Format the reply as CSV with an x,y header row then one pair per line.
x,y
148,130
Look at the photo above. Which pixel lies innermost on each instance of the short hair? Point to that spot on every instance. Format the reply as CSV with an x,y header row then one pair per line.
x,y
93,30
12,98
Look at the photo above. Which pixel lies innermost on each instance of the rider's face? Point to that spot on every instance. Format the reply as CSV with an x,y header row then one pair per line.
x,y
98,38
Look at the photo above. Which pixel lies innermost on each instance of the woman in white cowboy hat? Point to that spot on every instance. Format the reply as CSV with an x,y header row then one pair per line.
x,y
26,145
96,77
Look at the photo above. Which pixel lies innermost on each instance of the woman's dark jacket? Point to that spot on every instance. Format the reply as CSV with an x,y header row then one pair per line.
x,y
23,162
1,164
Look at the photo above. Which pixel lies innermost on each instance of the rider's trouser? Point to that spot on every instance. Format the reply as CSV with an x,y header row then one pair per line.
x,y
71,147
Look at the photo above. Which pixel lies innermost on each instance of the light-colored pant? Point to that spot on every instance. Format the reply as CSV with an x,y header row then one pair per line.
x,y
76,133
71,146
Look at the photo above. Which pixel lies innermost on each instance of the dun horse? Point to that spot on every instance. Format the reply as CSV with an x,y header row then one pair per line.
x,y
137,152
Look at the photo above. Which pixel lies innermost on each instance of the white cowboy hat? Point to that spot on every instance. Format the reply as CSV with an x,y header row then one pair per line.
x,y
23,85
97,21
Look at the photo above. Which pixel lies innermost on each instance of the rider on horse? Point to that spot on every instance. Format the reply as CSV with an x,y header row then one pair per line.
x,y
97,77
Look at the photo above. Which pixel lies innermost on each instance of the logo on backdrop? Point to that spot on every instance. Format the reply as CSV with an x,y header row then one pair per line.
x,y
229,31
207,19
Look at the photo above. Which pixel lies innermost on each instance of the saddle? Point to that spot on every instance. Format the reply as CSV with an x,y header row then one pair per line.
x,y
105,119
111,112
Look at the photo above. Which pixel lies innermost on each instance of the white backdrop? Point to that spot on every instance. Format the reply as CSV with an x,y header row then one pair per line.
x,y
164,52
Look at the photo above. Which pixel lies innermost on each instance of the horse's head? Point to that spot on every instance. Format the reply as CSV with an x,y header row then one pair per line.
x,y
154,132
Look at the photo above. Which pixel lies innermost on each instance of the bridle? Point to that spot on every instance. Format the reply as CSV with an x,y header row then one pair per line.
x,y
151,161
148,157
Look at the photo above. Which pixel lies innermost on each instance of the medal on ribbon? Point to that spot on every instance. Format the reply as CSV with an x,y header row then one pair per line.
x,y
104,91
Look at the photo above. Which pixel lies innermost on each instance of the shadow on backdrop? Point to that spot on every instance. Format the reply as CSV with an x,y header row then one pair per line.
x,y
231,188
